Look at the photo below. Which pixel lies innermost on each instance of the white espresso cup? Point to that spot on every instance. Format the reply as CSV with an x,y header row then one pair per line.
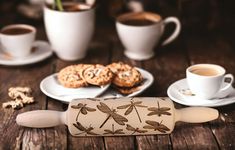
x,y
139,32
17,40
70,32
205,81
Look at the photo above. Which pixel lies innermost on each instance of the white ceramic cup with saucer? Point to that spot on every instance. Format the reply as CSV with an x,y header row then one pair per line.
x,y
17,40
205,80
139,32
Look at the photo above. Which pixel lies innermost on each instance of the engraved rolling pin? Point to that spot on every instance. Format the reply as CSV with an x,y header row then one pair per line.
x,y
117,117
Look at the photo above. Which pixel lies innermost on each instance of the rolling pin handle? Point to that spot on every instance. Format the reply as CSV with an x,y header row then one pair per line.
x,y
41,119
196,114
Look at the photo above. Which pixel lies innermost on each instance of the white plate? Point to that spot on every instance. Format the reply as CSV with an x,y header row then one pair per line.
x,y
50,87
180,93
43,50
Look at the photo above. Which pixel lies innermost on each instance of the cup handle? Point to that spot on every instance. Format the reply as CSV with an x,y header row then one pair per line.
x,y
230,83
177,29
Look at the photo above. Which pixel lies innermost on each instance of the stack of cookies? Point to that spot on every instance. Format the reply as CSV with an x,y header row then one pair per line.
x,y
124,78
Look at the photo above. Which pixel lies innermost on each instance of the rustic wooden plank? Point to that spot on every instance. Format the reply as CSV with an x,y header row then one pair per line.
x,y
224,132
168,63
30,75
128,142
153,142
193,136
216,49
167,66
13,136
98,53
84,143
56,137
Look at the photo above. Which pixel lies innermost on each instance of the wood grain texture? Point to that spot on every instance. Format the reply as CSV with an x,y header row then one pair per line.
x,y
215,49
13,136
98,52
115,143
10,132
156,142
56,137
167,66
193,136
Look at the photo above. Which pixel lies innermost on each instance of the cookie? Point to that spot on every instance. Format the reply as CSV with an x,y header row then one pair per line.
x,y
125,75
97,75
71,77
129,90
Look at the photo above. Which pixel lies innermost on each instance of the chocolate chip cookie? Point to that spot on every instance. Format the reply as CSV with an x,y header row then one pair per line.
x,y
71,76
125,75
97,75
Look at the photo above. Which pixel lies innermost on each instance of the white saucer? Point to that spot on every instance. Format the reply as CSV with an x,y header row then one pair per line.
x,y
43,50
187,98
50,87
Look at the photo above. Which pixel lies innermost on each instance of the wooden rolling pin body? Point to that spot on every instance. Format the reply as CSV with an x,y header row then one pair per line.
x,y
118,117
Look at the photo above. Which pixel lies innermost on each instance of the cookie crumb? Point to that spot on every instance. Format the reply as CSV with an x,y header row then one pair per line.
x,y
19,97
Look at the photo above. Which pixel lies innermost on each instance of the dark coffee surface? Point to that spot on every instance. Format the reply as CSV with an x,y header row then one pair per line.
x,y
72,7
16,31
138,22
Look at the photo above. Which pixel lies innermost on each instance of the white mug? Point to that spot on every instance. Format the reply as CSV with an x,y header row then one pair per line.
x,y
205,80
17,44
139,41
70,32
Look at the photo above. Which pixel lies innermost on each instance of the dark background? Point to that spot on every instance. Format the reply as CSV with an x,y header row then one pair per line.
x,y
196,16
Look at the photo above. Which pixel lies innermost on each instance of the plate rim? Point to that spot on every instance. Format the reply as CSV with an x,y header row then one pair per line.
x,y
147,86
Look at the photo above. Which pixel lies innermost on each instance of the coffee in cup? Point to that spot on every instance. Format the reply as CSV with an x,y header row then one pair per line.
x,y
205,80
138,22
139,32
205,71
17,40
16,31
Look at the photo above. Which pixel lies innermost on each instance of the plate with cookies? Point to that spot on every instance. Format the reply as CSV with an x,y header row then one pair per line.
x,y
96,80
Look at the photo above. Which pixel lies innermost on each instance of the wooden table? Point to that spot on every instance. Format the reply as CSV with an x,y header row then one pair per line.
x,y
167,66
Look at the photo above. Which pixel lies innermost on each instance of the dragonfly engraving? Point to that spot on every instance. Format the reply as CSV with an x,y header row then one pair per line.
x,y
159,110
156,126
132,106
80,127
93,99
163,98
83,109
118,131
111,114
130,128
